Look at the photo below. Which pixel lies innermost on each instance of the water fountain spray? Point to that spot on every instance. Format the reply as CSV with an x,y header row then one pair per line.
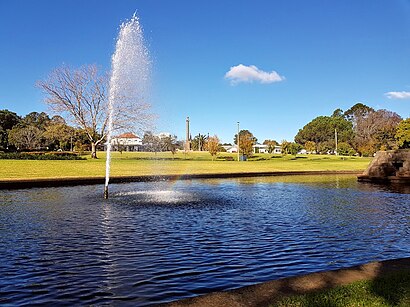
x,y
130,69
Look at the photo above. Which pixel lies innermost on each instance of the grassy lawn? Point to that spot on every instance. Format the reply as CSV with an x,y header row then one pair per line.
x,y
141,163
391,290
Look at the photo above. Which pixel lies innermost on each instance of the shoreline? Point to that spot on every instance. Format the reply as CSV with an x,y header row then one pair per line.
x,y
267,293
11,184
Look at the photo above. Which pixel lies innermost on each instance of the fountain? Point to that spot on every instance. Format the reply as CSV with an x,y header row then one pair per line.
x,y
130,67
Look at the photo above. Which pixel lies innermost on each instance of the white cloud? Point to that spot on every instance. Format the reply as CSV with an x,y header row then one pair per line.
x,y
249,74
398,95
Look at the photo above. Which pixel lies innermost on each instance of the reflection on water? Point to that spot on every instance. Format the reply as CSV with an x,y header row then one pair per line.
x,y
155,197
157,242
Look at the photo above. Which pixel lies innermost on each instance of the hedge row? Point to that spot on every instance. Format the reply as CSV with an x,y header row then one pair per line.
x,y
40,156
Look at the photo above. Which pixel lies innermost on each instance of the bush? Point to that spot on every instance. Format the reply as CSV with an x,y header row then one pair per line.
x,y
344,149
41,156
225,158
258,158
294,148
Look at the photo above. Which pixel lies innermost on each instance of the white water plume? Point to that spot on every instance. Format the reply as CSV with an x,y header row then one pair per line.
x,y
128,88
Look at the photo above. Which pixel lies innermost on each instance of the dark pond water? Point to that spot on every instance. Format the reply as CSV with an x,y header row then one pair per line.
x,y
158,242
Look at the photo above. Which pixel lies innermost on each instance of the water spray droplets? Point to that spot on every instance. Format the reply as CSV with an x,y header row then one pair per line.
x,y
130,70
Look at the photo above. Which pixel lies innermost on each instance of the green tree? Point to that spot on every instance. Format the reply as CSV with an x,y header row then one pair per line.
x,y
199,142
337,113
25,137
321,131
403,133
310,146
168,143
345,149
285,147
151,142
326,147
38,120
58,135
359,110
246,141
8,120
294,148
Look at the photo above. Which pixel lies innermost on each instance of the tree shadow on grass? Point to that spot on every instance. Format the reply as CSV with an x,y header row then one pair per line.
x,y
376,284
384,283
156,158
393,287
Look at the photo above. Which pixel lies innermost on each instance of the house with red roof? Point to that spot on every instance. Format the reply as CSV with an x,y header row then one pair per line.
x,y
126,142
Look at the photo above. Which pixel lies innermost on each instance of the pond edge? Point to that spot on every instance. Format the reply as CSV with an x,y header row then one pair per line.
x,y
11,184
267,293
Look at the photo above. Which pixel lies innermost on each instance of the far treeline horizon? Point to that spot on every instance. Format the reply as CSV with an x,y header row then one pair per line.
x,y
359,130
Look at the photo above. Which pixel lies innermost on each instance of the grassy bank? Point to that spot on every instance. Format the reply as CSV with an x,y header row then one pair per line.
x,y
390,290
135,163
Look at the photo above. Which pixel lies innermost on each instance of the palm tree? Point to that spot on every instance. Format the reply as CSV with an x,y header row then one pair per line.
x,y
199,142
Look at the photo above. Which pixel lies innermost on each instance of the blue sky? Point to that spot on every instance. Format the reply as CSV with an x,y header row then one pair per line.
x,y
299,59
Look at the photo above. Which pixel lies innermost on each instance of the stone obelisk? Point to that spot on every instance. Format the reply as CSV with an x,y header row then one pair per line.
x,y
187,138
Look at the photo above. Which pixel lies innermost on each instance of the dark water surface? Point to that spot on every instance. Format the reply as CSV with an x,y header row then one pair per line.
x,y
158,242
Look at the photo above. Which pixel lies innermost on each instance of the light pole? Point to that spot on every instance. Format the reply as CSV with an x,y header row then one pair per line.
x,y
237,142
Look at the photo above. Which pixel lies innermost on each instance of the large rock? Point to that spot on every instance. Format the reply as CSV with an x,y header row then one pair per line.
x,y
388,164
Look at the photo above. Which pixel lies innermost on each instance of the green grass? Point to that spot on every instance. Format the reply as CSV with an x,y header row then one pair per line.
x,y
141,163
390,290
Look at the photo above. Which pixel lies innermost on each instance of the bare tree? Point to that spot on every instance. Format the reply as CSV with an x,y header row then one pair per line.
x,y
376,131
81,97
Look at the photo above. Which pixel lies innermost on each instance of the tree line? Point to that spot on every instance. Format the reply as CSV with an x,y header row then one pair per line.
x,y
38,131
359,130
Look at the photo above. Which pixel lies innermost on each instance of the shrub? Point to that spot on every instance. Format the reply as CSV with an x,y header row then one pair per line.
x,y
344,149
41,156
294,148
225,158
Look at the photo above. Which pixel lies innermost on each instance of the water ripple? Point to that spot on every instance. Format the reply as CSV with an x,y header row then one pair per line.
x,y
157,242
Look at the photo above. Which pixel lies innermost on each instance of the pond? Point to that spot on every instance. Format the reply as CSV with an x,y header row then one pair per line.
x,y
162,241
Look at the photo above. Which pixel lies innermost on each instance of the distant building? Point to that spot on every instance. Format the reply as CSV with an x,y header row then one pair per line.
x,y
231,149
277,150
260,148
162,135
126,142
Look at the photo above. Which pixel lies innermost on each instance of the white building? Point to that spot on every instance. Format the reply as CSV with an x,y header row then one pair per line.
x,y
257,148
260,148
126,142
232,149
277,150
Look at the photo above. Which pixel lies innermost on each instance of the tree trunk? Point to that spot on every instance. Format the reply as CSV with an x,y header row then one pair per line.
x,y
93,151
